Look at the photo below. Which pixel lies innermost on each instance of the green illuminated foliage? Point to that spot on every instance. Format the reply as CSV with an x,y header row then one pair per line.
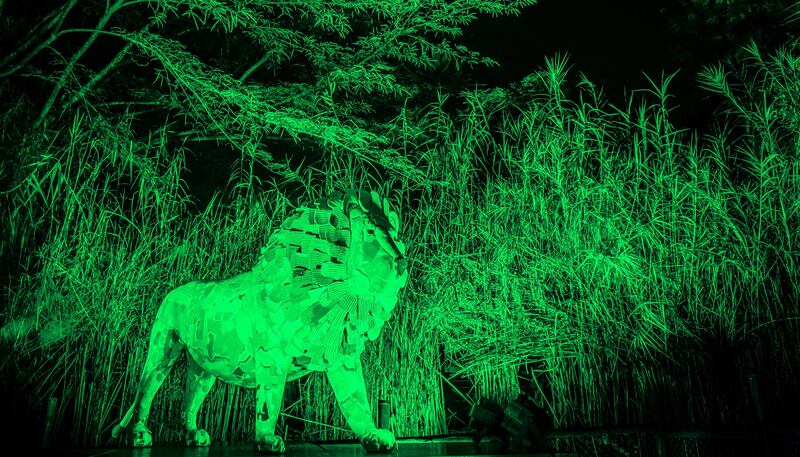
x,y
588,253
108,99
300,70
607,248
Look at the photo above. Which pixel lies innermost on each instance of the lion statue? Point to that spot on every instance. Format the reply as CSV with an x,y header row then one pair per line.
x,y
327,280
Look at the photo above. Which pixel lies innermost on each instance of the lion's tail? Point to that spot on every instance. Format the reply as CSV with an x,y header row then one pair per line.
x,y
123,424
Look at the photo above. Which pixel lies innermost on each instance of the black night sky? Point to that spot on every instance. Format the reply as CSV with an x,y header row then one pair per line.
x,y
615,44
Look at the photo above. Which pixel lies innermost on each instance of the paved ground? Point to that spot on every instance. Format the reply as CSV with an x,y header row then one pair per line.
x,y
406,449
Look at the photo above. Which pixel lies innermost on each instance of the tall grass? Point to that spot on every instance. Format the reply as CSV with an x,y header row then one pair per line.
x,y
118,234
606,248
599,250
118,238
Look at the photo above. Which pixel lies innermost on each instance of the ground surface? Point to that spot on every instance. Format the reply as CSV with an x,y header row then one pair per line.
x,y
415,449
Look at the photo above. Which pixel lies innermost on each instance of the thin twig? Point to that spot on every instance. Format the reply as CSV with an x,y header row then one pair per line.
x,y
253,67
110,66
74,61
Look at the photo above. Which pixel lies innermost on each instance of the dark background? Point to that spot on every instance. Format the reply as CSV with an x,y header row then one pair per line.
x,y
615,43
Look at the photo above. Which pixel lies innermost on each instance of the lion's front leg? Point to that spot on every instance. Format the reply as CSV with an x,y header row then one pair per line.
x,y
351,394
270,382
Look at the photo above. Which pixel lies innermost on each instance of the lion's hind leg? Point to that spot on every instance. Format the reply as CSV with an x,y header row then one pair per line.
x,y
198,384
164,349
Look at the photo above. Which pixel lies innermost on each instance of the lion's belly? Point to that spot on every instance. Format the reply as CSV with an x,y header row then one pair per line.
x,y
217,327
222,352
231,359
244,374
223,323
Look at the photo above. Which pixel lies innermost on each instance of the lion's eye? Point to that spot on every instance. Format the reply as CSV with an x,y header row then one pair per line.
x,y
370,231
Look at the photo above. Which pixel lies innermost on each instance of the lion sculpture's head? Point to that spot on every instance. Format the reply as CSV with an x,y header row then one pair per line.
x,y
338,263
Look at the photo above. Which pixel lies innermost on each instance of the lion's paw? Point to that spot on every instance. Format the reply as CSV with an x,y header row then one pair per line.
x,y
140,436
197,437
379,440
269,444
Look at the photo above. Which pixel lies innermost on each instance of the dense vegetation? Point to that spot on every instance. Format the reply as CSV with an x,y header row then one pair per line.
x,y
595,256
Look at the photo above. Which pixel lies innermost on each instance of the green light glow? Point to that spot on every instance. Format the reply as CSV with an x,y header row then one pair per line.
x,y
590,255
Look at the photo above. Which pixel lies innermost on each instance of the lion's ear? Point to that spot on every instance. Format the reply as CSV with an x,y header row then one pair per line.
x,y
355,199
